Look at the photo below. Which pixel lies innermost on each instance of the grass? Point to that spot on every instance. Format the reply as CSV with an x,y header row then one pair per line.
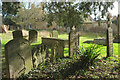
x,y
8,36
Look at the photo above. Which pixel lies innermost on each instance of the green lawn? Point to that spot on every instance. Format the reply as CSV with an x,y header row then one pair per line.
x,y
8,36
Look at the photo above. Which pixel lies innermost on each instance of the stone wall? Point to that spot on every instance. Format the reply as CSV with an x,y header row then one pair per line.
x,y
94,27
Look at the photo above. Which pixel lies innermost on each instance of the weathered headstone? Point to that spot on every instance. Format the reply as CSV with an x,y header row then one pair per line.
x,y
18,57
25,34
17,34
0,59
55,33
33,36
109,42
0,28
73,42
68,30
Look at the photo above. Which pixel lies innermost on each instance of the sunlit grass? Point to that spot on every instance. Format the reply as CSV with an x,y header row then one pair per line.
x,y
8,36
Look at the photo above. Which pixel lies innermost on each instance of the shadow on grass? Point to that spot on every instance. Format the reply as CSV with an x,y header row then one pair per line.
x,y
71,70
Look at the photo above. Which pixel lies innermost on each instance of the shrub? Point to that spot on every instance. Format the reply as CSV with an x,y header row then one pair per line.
x,y
89,55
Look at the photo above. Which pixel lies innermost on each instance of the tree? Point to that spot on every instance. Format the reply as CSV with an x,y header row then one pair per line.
x,y
70,14
9,9
32,15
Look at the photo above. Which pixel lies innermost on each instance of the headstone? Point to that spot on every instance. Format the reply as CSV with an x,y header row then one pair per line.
x,y
109,42
18,57
55,33
68,30
33,36
0,29
0,59
17,34
25,34
73,42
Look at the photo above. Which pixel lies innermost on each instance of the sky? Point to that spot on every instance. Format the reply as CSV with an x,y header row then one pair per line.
x,y
114,11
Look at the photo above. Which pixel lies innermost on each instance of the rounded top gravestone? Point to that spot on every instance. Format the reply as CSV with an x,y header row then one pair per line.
x,y
17,34
33,36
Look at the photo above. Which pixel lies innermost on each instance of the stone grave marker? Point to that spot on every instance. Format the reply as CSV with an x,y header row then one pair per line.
x,y
18,57
0,45
73,42
0,28
55,33
33,36
109,42
17,34
68,30
0,59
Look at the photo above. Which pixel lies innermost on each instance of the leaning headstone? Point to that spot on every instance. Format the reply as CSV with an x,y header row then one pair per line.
x,y
17,34
18,57
55,33
73,42
109,42
33,36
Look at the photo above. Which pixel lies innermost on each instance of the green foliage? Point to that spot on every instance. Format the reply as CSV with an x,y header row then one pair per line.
x,y
9,9
89,55
70,14
31,16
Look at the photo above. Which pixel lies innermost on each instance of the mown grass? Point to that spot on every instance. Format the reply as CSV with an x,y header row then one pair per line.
x,y
8,36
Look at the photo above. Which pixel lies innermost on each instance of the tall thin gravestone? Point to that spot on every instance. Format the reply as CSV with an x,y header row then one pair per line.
x,y
18,57
0,59
109,42
17,34
73,42
33,36
0,28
